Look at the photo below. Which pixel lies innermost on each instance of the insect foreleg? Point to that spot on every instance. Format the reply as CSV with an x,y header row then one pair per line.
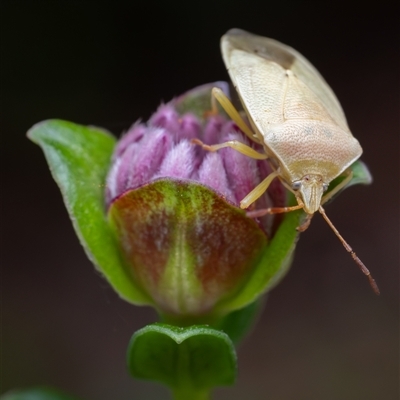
x,y
230,109
277,210
234,144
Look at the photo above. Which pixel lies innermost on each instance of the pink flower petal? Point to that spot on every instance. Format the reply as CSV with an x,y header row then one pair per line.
x,y
189,127
134,134
180,161
213,129
241,170
165,117
148,158
212,173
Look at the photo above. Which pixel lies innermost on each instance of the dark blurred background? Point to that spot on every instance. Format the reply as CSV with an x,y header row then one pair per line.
x,y
323,333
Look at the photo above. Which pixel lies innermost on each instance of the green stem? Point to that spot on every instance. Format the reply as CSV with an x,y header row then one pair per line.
x,y
188,394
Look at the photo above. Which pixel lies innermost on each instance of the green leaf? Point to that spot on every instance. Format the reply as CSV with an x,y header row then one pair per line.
x,y
79,158
191,360
36,394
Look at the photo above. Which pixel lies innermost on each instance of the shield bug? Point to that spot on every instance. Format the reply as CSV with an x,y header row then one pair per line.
x,y
297,119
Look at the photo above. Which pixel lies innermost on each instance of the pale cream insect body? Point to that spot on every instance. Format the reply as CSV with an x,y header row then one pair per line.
x,y
297,119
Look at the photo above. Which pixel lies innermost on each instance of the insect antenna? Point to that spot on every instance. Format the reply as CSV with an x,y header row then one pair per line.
x,y
360,264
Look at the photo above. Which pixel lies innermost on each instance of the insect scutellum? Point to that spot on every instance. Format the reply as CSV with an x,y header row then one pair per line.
x,y
298,120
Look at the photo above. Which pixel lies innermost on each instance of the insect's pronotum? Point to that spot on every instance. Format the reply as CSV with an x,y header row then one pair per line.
x,y
296,118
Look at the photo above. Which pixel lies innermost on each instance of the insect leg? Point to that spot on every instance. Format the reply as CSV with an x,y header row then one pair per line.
x,y
278,210
360,264
234,144
339,187
229,108
258,190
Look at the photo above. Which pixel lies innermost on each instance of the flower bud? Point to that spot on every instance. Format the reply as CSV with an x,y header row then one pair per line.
x,y
174,208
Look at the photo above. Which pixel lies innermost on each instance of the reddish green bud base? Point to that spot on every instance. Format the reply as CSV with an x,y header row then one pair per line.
x,y
186,246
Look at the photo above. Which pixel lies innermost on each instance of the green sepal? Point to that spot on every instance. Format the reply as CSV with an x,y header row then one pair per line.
x,y
238,323
179,243
361,176
190,361
198,100
274,262
79,158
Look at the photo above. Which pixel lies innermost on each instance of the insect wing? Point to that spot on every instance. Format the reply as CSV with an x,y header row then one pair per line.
x,y
258,68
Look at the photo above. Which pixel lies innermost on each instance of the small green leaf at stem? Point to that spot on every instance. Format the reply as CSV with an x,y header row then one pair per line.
x,y
190,361
40,393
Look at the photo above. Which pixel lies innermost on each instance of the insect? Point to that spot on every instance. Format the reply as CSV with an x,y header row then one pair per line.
x,y
296,118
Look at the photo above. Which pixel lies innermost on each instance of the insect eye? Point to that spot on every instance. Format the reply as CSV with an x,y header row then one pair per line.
x,y
325,187
296,185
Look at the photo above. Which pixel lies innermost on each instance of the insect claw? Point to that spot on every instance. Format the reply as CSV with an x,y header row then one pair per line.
x,y
198,142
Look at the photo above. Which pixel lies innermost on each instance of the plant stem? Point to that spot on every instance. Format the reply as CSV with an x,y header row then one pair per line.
x,y
188,394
